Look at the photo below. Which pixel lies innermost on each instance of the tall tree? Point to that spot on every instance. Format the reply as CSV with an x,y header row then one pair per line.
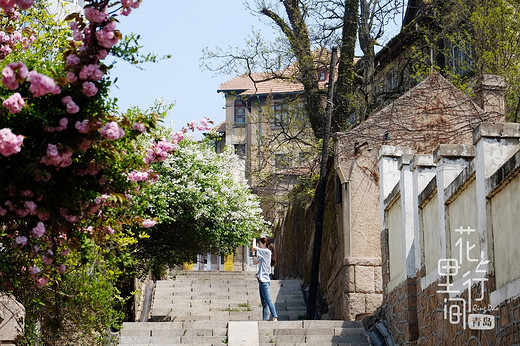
x,y
470,38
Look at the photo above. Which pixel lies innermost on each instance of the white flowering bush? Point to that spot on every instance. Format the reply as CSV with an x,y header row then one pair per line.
x,y
201,204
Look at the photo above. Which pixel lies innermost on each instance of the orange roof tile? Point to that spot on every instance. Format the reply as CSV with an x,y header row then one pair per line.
x,y
259,84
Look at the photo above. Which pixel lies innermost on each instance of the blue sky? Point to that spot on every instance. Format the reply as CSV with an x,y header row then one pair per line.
x,y
183,29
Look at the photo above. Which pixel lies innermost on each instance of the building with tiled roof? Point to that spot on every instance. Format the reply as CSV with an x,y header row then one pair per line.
x,y
267,126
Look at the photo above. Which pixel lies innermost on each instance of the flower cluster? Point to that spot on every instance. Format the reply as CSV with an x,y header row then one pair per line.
x,y
159,151
70,106
62,126
128,5
10,37
111,131
14,103
8,5
14,73
203,125
9,142
57,159
42,84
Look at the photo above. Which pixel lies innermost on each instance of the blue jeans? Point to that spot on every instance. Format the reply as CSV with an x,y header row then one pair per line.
x,y
267,303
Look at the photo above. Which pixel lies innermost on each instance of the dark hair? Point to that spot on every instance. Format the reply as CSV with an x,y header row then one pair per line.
x,y
270,246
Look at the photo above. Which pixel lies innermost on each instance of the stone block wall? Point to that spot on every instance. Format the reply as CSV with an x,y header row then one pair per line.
x,y
482,186
12,320
434,329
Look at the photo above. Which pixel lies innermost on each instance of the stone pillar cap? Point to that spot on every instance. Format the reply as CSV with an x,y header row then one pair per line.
x,y
491,81
392,151
453,151
404,159
496,130
421,160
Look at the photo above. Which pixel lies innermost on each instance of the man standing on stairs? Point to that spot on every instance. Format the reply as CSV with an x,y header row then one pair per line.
x,y
263,259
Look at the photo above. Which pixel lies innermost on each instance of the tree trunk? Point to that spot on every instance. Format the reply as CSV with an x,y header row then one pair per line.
x,y
320,194
345,82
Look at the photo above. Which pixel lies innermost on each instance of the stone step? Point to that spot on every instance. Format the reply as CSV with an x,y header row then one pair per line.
x,y
312,332
196,308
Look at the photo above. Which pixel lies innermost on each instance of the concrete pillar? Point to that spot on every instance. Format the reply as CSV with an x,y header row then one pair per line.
x,y
389,174
423,171
495,143
407,211
450,159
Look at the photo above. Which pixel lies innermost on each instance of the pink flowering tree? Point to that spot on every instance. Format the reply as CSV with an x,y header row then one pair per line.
x,y
69,167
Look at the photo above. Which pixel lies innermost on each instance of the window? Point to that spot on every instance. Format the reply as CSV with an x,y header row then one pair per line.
x,y
322,75
461,61
390,81
303,158
240,112
282,161
280,112
240,150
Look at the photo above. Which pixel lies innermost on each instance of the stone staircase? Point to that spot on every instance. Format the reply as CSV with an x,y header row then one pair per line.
x,y
215,308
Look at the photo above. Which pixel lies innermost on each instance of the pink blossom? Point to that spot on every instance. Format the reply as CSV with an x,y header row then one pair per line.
x,y
31,206
2,211
139,127
14,103
22,212
47,259
69,217
24,4
39,230
93,168
4,37
102,54
7,5
21,240
42,84
130,3
177,137
95,15
70,105
85,145
54,158
106,37
9,78
61,268
41,282
9,142
34,270
63,124
111,131
149,223
89,89
77,36
109,230
159,151
14,73
65,252
82,126
72,60
135,176
71,77
27,193
92,72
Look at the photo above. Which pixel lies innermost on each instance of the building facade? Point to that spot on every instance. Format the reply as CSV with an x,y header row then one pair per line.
x,y
269,130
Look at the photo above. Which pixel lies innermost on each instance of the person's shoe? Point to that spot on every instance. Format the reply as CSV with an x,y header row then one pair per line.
x,y
275,319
